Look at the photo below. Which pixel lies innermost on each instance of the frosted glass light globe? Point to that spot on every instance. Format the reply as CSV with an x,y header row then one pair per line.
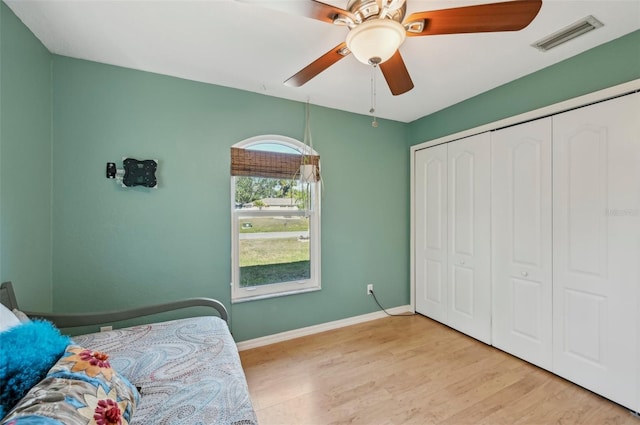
x,y
376,40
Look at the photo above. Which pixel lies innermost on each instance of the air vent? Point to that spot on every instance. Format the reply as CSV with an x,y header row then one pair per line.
x,y
568,33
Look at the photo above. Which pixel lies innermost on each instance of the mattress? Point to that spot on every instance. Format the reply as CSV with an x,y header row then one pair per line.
x,y
188,371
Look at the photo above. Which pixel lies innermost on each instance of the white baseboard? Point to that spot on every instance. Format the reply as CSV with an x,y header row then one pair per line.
x,y
310,330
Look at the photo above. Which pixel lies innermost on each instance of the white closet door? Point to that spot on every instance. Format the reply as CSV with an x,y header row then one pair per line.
x,y
521,241
597,247
469,202
430,187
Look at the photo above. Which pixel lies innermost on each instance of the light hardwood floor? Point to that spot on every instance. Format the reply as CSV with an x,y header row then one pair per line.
x,y
411,370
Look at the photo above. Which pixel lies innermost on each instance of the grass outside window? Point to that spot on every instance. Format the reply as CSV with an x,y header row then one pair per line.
x,y
270,259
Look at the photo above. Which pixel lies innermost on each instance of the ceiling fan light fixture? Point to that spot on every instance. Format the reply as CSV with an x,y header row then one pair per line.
x,y
376,40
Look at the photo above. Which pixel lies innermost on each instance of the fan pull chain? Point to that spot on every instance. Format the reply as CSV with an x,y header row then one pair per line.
x,y
372,111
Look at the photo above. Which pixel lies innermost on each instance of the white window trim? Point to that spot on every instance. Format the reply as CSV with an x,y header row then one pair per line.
x,y
239,294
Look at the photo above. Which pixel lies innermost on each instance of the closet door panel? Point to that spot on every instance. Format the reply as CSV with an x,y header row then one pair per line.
x,y
431,232
469,200
597,247
521,241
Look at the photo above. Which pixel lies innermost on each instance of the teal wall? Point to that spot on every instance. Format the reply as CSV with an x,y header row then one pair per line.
x,y
25,163
117,247
604,66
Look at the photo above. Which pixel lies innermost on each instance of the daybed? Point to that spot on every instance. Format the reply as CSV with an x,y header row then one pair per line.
x,y
184,371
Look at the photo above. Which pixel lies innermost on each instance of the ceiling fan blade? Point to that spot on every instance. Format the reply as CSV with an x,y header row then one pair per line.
x,y
396,74
309,8
318,10
492,17
318,65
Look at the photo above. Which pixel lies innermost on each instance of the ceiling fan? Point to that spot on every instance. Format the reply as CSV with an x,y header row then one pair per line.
x,y
377,28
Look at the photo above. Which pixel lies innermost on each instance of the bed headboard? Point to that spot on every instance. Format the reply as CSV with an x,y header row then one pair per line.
x,y
7,296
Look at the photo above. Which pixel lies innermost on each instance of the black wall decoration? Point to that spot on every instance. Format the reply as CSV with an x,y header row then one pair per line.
x,y
140,173
135,173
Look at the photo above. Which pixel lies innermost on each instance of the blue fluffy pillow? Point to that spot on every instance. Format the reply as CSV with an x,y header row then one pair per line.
x,y
27,352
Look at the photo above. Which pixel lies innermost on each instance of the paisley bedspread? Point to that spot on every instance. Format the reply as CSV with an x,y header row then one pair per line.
x,y
188,371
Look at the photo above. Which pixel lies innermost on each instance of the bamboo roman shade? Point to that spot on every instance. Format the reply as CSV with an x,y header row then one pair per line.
x,y
254,163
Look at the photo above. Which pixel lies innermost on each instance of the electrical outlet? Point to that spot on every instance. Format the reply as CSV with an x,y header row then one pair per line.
x,y
370,289
106,328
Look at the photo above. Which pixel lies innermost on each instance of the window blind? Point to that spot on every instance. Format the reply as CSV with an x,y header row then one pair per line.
x,y
277,165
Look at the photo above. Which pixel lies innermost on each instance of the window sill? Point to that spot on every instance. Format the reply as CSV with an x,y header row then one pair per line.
x,y
274,295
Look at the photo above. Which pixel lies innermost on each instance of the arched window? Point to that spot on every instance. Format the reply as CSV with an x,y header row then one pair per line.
x,y
275,204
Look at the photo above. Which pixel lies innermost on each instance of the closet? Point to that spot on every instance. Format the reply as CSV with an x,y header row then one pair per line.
x,y
528,238
453,221
521,241
596,248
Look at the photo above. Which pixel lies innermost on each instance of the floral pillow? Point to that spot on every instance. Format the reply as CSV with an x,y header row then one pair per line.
x,y
81,388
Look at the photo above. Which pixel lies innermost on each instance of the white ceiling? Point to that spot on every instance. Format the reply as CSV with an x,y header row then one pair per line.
x,y
254,46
